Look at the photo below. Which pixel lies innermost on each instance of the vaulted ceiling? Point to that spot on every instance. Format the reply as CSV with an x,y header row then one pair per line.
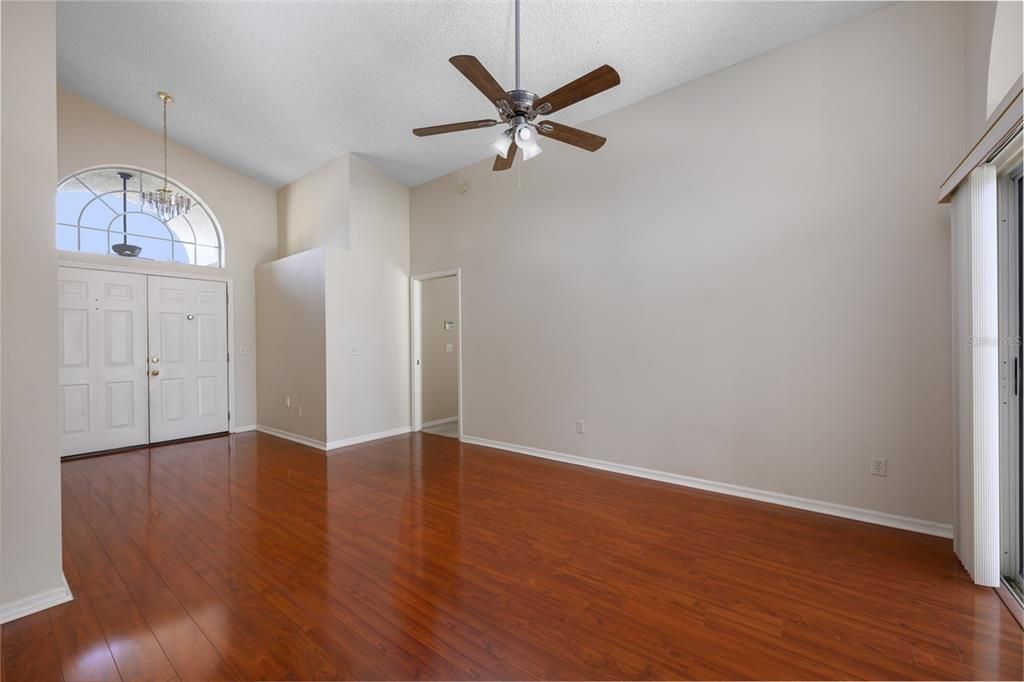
x,y
276,90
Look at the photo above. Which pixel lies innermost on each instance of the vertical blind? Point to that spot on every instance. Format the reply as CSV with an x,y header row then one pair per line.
x,y
976,374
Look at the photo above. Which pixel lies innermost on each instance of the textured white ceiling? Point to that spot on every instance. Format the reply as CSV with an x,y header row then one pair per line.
x,y
277,89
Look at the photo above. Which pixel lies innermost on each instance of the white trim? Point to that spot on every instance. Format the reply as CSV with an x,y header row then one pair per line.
x,y
857,514
416,345
99,261
438,422
294,437
1002,123
356,440
243,429
334,444
26,606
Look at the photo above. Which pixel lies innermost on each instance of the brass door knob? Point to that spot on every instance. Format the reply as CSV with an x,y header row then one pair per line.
x,y
155,372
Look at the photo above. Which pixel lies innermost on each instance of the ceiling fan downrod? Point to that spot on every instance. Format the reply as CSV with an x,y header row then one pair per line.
x,y
517,45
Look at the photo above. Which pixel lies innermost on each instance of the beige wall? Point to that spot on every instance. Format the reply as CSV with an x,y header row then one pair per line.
x,y
30,553
993,55
365,298
438,303
749,283
290,329
313,211
89,135
368,309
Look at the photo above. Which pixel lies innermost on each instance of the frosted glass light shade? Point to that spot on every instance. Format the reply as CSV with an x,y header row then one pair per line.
x,y
526,138
502,144
531,151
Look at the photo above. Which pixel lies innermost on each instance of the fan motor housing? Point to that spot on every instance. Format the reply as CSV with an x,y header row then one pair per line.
x,y
520,103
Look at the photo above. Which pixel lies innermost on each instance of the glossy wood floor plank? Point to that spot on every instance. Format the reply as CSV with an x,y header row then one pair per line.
x,y
130,637
250,557
186,508
81,645
245,649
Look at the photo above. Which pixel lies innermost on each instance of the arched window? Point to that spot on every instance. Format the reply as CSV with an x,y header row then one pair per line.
x,y
95,211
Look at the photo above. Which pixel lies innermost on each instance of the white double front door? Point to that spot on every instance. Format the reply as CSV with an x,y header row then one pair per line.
x,y
142,359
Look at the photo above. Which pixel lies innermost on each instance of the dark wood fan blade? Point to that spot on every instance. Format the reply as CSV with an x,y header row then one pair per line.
x,y
569,135
501,164
454,127
471,68
598,80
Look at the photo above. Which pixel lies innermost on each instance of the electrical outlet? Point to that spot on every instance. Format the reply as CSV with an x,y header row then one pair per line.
x,y
448,348
579,426
355,352
879,466
287,401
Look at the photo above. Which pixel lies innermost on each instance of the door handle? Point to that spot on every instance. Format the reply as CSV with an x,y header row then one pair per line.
x,y
154,359
155,372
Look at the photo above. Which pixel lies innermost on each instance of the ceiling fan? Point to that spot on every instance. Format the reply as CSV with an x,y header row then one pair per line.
x,y
519,108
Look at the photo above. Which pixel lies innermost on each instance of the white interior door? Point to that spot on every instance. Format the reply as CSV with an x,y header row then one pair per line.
x,y
102,360
188,363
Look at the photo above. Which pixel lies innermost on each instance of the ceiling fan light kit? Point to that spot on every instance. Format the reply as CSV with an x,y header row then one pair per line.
x,y
519,108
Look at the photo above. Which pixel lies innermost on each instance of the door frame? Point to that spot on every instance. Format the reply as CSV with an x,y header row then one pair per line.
x,y
93,265
416,345
1011,358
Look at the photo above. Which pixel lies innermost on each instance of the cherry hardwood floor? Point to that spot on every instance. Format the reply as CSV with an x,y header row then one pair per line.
x,y
250,557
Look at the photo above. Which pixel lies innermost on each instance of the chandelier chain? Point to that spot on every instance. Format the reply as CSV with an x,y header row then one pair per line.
x,y
163,202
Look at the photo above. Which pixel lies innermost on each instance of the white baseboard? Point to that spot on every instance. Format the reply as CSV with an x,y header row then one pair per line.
x,y
334,444
356,440
438,422
26,606
294,437
867,515
243,429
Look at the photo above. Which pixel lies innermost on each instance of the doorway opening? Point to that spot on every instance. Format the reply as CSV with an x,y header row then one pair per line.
x,y
436,305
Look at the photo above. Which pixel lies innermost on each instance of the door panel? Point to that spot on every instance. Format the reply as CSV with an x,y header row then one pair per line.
x,y
76,408
188,389
101,360
121,404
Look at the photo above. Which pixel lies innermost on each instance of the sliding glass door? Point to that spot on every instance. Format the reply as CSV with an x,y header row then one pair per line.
x,y
1011,466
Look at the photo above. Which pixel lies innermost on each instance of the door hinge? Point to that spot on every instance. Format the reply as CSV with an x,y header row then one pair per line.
x,y
1016,376
229,356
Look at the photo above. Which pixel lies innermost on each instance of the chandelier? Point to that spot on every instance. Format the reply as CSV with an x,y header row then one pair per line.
x,y
165,203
